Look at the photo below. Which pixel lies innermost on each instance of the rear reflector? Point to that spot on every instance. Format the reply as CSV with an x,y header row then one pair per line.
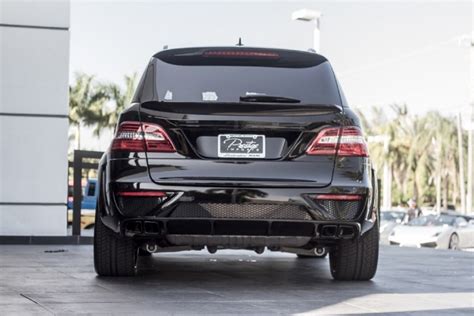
x,y
337,197
142,193
350,139
241,54
136,136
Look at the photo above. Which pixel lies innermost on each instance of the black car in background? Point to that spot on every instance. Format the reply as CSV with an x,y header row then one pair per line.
x,y
241,148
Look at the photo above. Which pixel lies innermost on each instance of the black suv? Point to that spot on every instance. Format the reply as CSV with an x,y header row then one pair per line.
x,y
241,148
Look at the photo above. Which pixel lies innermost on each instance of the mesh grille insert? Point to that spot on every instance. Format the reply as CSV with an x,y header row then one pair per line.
x,y
242,211
338,210
137,206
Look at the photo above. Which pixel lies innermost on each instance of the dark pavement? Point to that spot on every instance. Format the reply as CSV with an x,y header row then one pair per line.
x,y
413,281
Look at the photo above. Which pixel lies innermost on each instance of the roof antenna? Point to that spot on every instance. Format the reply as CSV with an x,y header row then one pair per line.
x,y
165,47
240,42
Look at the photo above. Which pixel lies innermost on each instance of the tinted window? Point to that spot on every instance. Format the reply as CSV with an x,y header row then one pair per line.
x,y
221,83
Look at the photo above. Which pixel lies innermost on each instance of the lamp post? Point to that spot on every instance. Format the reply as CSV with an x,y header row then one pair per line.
x,y
307,15
461,164
470,158
468,41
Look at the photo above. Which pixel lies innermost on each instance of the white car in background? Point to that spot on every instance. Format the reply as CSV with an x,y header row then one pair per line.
x,y
444,231
388,221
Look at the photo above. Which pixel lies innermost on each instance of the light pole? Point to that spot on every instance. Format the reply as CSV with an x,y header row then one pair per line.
x,y
470,158
470,171
307,15
468,41
461,165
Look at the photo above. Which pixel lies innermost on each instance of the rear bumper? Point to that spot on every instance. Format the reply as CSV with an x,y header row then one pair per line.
x,y
236,232
196,228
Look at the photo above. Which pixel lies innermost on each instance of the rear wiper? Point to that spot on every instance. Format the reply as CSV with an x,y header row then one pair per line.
x,y
268,98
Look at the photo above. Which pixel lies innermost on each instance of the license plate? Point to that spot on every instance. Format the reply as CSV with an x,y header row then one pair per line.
x,y
241,146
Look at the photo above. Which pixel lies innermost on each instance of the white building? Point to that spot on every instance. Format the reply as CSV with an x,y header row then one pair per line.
x,y
34,69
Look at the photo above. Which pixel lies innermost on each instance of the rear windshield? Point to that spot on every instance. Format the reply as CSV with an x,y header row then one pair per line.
x,y
227,83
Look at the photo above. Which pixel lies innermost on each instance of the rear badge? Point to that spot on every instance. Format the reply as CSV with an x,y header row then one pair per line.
x,y
240,146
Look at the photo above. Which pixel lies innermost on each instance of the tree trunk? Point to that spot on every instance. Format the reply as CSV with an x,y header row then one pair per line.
x,y
445,192
461,167
415,187
455,190
438,175
78,136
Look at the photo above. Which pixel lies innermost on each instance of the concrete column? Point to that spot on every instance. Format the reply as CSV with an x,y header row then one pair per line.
x,y
34,71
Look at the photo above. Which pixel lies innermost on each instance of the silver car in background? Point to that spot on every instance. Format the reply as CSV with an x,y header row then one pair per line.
x,y
444,231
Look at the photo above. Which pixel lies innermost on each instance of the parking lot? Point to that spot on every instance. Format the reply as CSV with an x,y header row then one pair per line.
x,y
60,279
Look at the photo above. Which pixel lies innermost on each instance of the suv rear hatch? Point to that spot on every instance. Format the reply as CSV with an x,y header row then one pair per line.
x,y
287,133
215,104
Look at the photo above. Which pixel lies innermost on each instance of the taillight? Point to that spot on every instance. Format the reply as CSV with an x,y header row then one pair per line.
x,y
136,136
351,142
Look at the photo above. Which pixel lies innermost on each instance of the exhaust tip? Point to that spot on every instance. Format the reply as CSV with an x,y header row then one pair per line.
x,y
329,231
346,232
134,227
151,228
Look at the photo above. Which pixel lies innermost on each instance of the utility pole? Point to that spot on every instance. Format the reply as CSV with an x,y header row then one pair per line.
x,y
461,165
470,162
437,143
467,199
470,171
387,176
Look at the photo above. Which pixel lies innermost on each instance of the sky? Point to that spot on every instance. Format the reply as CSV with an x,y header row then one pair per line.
x,y
383,52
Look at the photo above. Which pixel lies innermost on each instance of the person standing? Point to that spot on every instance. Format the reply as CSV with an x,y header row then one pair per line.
x,y
413,210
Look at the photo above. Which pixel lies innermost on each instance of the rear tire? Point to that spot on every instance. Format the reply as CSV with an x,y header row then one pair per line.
x,y
113,255
356,259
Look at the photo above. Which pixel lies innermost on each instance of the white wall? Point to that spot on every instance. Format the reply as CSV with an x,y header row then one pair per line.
x,y
34,68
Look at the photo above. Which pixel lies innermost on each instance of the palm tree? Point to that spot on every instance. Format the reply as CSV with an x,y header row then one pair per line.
x,y
443,129
396,127
120,98
423,154
86,101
